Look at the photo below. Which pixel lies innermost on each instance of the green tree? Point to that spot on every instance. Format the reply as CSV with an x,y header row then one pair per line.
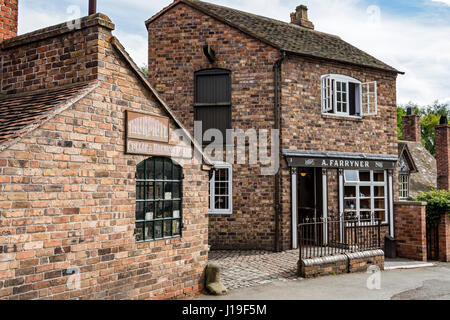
x,y
144,70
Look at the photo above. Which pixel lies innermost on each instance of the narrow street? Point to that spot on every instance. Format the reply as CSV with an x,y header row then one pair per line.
x,y
432,283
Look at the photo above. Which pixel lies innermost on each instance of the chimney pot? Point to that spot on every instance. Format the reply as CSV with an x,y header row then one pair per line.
x,y
443,120
409,111
300,17
92,7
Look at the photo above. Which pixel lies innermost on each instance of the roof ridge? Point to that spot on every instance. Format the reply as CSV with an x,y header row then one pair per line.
x,y
288,24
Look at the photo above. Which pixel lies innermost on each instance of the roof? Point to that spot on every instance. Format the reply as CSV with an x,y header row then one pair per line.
x,y
425,178
286,37
22,113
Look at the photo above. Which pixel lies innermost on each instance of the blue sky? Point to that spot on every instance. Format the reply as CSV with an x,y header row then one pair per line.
x,y
411,35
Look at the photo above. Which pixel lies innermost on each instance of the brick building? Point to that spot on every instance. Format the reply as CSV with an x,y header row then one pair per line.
x,y
333,104
99,195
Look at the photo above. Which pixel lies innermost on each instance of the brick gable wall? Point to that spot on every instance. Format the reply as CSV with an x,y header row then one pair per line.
x,y
175,54
67,199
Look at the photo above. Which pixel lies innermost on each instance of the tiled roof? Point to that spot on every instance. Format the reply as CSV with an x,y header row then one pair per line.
x,y
288,37
22,112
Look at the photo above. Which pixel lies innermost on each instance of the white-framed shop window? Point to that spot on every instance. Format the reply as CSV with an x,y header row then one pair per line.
x,y
348,97
221,189
366,195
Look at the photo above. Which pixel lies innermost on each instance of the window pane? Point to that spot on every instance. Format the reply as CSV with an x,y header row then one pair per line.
x,y
364,176
221,203
176,190
139,231
167,170
365,204
150,190
364,192
140,190
149,231
380,215
159,209
140,171
149,211
379,204
159,170
176,209
168,209
176,172
140,210
150,169
159,191
176,227
168,191
378,191
351,176
168,228
378,176
350,192
158,229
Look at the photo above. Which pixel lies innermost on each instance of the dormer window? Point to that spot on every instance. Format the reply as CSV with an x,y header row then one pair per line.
x,y
348,97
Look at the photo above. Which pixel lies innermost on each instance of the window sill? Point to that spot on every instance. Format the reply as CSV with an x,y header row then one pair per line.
x,y
218,213
335,116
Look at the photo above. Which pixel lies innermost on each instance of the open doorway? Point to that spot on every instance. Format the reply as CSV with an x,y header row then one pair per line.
x,y
309,187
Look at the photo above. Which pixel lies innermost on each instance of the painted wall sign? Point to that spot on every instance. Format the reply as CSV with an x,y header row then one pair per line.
x,y
352,164
158,149
147,127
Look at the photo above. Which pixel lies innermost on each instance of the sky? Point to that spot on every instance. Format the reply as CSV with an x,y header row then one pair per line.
x,y
411,35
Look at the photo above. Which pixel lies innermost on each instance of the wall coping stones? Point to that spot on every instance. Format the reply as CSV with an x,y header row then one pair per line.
x,y
324,260
97,19
364,254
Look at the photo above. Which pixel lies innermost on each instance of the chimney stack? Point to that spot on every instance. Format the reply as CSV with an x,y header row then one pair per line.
x,y
411,127
9,10
92,7
443,154
300,17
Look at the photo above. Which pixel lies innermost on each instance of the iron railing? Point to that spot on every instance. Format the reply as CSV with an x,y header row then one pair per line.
x,y
332,236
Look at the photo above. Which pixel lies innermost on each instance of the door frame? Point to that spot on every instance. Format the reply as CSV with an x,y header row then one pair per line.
x,y
295,198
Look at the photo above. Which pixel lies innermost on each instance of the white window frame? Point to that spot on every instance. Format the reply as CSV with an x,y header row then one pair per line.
x,y
404,180
212,189
372,184
329,96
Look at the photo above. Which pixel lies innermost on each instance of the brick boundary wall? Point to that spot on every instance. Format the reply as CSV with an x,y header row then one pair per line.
x,y
340,264
444,238
410,229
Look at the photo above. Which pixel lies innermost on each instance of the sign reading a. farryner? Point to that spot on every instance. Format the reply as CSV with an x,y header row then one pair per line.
x,y
147,127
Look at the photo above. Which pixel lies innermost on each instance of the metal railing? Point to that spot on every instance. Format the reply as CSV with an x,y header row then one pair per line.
x,y
332,236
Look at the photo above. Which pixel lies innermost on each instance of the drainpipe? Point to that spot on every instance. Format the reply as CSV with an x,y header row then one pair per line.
x,y
276,111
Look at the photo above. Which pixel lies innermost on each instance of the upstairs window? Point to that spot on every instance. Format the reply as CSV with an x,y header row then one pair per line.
x,y
213,100
345,96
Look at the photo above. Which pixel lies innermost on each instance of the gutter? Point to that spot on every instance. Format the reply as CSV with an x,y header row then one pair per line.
x,y
276,111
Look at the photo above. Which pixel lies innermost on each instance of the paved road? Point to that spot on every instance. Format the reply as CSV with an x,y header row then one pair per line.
x,y
428,283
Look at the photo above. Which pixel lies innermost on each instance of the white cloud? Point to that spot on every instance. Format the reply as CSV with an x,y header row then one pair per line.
x,y
447,2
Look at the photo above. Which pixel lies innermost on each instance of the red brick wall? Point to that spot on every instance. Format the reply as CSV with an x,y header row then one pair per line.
x,y
9,10
443,156
410,230
67,199
175,54
411,128
53,56
444,238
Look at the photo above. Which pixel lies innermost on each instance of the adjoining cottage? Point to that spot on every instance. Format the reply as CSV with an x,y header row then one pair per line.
x,y
333,105
417,166
100,197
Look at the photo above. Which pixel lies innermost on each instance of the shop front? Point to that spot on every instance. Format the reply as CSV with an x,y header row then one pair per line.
x,y
333,186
